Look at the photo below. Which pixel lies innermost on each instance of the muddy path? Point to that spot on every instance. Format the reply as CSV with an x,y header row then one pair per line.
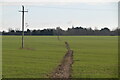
x,y
64,70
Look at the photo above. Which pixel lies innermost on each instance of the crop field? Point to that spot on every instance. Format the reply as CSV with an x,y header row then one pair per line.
x,y
94,56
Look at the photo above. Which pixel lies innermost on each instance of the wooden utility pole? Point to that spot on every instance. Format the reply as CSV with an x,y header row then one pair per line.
x,y
58,32
23,25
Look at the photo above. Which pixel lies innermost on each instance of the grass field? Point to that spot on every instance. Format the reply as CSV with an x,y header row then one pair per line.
x,y
94,56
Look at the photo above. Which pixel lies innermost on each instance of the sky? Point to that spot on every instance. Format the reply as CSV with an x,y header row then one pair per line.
x,y
64,13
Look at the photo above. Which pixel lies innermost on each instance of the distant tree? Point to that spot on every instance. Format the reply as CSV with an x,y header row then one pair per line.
x,y
11,31
34,32
28,32
105,31
90,31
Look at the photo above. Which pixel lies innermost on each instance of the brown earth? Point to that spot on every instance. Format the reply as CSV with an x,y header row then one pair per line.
x,y
65,68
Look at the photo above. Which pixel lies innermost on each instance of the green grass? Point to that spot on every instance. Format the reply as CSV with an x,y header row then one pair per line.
x,y
94,56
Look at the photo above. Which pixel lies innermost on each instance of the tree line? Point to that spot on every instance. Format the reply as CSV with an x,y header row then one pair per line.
x,y
74,31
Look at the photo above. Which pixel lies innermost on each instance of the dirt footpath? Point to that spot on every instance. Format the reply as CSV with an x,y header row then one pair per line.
x,y
65,68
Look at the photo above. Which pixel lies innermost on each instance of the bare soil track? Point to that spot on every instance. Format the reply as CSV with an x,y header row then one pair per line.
x,y
65,68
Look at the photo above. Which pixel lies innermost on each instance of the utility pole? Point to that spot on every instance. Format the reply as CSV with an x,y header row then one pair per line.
x,y
58,32
23,25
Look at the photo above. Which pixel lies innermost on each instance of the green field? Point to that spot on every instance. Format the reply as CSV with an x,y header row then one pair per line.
x,y
94,56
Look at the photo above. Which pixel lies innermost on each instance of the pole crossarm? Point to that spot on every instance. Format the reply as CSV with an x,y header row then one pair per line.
x,y
23,11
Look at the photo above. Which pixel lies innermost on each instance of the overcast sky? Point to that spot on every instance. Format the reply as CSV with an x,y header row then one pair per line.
x,y
64,13
60,0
